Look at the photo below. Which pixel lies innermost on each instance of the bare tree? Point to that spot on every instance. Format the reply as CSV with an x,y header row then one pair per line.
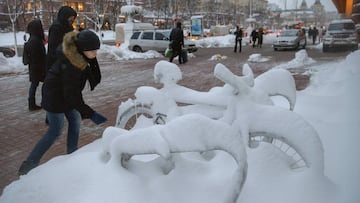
x,y
100,8
115,11
15,8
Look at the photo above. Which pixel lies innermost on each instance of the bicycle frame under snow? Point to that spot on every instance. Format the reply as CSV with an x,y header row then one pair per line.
x,y
242,102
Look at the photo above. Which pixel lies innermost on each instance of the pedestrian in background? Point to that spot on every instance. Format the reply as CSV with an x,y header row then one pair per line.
x,y
34,56
254,37
62,93
62,25
321,32
260,36
177,42
315,33
238,38
310,33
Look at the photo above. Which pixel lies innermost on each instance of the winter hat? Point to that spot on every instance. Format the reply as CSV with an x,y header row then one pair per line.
x,y
35,28
64,13
87,41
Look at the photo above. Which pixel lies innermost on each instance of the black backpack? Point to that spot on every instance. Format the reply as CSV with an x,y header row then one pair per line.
x,y
26,55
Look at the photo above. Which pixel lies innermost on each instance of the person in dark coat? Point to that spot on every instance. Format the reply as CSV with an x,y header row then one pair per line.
x,y
315,34
36,56
254,36
310,33
238,38
260,36
62,93
177,42
62,25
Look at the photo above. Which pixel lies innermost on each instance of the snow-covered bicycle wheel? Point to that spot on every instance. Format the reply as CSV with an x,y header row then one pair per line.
x,y
291,134
133,114
297,160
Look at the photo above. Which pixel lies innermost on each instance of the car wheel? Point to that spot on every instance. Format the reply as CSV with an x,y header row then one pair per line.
x,y
356,47
275,49
137,49
6,54
325,48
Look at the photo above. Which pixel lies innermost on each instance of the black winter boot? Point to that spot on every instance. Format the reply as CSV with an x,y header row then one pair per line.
x,y
33,106
26,166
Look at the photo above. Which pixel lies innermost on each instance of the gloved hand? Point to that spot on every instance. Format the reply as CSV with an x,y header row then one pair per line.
x,y
98,118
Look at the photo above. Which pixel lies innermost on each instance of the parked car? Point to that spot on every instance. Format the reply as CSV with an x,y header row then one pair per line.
x,y
157,40
341,34
7,51
290,39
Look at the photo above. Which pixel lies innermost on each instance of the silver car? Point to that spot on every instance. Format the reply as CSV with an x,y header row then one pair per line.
x,y
290,39
340,34
157,40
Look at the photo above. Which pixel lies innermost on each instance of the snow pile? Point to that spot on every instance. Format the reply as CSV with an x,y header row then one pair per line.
x,y
11,65
258,58
166,72
333,83
108,52
131,9
301,59
218,41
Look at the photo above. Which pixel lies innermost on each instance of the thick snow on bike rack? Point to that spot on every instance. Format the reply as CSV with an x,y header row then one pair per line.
x,y
244,102
282,83
254,119
189,133
210,103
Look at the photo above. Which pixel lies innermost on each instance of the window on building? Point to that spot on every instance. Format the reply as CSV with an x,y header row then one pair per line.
x,y
80,7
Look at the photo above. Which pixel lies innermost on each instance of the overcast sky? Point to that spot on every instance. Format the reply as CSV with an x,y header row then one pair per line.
x,y
329,6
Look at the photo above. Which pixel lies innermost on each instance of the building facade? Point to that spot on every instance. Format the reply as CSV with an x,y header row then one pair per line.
x,y
90,12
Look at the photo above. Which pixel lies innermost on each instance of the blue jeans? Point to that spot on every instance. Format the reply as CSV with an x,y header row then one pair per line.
x,y
56,124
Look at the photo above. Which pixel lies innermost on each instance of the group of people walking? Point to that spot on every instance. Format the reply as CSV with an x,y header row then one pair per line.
x,y
256,38
316,34
69,63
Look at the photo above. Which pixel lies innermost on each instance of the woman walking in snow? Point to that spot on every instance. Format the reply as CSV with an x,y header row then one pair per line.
x,y
62,93
34,55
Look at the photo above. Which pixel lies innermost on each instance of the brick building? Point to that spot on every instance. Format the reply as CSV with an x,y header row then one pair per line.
x,y
89,11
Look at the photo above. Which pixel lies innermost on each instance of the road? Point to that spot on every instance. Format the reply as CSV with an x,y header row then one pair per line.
x,y
21,129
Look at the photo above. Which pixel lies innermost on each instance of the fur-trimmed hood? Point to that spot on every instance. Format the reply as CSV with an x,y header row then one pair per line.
x,y
71,51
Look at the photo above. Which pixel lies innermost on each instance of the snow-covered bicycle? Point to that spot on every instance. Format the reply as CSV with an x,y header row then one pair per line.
x,y
162,104
243,102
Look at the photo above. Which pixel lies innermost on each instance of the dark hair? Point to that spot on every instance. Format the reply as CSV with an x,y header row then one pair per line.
x,y
178,24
